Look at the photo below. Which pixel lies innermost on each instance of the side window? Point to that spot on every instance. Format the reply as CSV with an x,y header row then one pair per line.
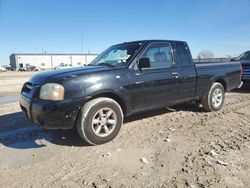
x,y
160,55
248,57
183,55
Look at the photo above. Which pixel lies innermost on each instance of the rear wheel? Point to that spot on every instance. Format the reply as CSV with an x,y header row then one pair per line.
x,y
99,121
213,100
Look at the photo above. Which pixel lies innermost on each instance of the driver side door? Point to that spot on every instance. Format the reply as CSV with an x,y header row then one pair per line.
x,y
155,86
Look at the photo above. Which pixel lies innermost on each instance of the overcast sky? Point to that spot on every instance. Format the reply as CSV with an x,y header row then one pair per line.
x,y
35,26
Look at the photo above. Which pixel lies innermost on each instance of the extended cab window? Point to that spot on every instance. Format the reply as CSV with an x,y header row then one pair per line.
x,y
183,54
160,55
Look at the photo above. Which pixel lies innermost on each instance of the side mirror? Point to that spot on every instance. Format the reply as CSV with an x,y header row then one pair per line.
x,y
144,62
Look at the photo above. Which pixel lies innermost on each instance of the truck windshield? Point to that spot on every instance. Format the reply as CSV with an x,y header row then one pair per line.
x,y
118,55
244,56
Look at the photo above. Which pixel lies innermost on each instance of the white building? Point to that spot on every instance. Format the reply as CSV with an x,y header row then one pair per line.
x,y
49,61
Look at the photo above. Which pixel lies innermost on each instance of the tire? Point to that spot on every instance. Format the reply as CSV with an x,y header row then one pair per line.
x,y
213,100
99,121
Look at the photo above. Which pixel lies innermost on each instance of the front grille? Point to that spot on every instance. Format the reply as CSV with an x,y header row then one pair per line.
x,y
27,87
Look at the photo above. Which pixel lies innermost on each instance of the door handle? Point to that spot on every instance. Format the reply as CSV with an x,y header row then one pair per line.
x,y
175,74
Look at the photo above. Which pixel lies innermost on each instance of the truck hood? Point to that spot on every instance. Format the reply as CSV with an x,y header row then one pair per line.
x,y
62,74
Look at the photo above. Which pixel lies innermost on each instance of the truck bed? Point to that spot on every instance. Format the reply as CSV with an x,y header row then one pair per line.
x,y
206,72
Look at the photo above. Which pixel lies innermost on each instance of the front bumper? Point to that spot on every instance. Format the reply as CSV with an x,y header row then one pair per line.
x,y
246,78
51,114
240,85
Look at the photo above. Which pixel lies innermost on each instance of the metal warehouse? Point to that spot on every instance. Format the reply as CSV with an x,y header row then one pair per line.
x,y
49,61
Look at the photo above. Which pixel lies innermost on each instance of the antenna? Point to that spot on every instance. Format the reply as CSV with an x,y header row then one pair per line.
x,y
82,47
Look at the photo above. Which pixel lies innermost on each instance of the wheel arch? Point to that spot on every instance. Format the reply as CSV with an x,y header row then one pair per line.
x,y
223,82
115,97
218,79
206,99
120,98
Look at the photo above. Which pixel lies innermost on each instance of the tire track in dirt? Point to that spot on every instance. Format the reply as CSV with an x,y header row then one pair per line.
x,y
200,168
197,161
182,162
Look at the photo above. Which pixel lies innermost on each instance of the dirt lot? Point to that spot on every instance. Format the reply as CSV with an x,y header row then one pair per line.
x,y
174,147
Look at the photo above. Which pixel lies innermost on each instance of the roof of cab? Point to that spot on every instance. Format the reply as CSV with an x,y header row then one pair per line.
x,y
150,41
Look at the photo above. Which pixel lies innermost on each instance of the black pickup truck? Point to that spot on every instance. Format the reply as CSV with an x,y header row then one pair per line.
x,y
125,79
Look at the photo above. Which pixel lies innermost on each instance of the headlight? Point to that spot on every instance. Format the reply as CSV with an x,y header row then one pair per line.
x,y
52,91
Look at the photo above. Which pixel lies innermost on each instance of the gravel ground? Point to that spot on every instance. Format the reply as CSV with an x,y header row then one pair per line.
x,y
11,82
180,146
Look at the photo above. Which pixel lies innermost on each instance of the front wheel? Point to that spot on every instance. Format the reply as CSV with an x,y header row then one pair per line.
x,y
213,100
99,121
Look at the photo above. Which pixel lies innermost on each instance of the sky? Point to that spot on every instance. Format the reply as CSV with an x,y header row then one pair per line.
x,y
36,26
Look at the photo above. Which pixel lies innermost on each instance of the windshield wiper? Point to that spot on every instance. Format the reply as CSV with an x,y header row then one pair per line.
x,y
105,64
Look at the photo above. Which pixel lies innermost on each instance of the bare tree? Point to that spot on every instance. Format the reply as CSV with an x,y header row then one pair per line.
x,y
204,54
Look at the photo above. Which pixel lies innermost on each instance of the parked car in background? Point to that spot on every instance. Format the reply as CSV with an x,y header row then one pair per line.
x,y
22,69
244,59
29,68
37,69
8,68
125,79
3,69
63,66
34,68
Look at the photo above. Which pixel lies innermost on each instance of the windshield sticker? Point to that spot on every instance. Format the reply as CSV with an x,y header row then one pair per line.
x,y
123,56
